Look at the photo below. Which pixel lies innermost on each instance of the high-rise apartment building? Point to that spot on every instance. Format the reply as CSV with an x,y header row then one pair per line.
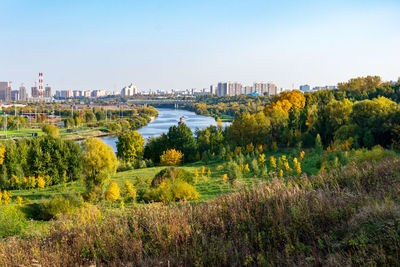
x,y
5,91
129,90
22,93
34,91
15,95
47,92
229,89
263,88
247,90
213,89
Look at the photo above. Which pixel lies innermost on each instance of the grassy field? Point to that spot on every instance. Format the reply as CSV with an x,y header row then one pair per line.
x,y
208,187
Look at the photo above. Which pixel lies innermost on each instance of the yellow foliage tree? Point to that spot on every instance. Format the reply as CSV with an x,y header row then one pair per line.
x,y
298,169
301,155
196,176
272,162
2,154
128,190
18,200
246,168
41,183
6,197
15,183
202,170
113,192
31,182
261,159
225,177
209,173
171,157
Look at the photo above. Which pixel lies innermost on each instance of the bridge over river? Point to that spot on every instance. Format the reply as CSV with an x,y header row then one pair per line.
x,y
166,101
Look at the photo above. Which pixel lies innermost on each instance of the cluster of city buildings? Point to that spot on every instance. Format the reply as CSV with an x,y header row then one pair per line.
x,y
67,94
235,88
7,94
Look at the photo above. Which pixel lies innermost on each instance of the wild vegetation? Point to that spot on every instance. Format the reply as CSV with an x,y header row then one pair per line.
x,y
300,179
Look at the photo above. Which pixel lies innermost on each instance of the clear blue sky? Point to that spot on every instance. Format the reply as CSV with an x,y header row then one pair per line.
x,y
184,44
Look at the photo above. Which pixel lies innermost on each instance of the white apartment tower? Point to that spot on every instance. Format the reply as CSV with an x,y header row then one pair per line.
x,y
129,90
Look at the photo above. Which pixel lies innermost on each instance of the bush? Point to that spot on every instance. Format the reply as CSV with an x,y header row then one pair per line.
x,y
184,191
12,221
113,192
171,157
129,191
234,172
172,173
59,205
171,184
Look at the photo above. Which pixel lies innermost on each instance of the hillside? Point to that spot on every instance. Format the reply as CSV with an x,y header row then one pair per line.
x,y
349,216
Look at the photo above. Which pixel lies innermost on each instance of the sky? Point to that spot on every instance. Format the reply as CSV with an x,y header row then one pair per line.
x,y
182,44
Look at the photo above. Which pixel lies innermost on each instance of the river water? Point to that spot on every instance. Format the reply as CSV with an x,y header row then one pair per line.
x,y
166,118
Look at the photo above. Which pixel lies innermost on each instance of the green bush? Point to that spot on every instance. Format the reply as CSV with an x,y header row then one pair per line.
x,y
59,205
12,221
172,173
377,153
171,184
234,172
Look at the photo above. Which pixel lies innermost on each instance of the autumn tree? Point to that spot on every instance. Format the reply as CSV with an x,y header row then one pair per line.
x,y
50,130
113,192
171,157
130,146
129,191
100,163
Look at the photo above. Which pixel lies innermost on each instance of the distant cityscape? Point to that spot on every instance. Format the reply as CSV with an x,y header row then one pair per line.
x,y
38,92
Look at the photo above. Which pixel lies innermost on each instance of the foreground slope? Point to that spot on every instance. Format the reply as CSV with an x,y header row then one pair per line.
x,y
345,217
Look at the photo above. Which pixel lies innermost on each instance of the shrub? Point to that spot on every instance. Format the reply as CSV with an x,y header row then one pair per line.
x,y
12,221
234,172
171,157
59,205
129,191
50,130
113,192
40,182
172,173
171,184
184,191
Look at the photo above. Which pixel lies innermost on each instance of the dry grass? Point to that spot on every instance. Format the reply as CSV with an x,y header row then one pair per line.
x,y
347,217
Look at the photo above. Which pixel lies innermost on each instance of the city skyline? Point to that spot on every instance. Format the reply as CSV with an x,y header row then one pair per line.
x,y
178,45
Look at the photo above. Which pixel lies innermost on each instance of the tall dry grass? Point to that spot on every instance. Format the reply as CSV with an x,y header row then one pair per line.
x,y
346,217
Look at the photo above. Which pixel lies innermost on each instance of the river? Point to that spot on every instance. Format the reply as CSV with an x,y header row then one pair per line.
x,y
166,118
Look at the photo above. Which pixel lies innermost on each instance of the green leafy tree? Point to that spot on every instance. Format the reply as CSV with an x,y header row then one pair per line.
x,y
181,138
130,146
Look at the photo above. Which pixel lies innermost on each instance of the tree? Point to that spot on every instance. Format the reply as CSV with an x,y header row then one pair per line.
x,y
318,143
113,192
130,146
129,191
2,154
50,130
155,147
181,138
40,182
171,157
100,163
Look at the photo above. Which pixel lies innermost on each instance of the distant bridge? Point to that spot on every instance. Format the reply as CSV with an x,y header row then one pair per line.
x,y
174,102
